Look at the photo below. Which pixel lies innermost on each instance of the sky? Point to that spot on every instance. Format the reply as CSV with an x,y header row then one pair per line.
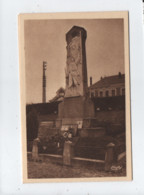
x,y
45,41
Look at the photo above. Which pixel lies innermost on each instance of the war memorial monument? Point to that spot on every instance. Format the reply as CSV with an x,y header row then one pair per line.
x,y
76,112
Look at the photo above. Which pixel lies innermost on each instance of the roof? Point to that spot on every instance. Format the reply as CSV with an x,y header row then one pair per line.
x,y
108,81
59,95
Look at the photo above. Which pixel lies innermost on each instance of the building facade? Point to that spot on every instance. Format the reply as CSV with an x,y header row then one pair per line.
x,y
108,86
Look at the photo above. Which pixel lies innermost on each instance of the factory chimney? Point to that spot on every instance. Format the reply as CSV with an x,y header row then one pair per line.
x,y
44,83
90,81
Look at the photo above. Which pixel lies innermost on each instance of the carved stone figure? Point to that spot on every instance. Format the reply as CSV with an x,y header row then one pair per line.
x,y
73,74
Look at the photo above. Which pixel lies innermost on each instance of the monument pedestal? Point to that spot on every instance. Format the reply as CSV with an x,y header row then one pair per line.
x,y
75,109
77,113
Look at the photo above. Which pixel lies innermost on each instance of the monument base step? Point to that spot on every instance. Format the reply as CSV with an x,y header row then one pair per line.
x,y
92,132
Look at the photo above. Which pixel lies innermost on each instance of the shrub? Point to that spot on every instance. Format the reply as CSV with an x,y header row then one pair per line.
x,y
32,123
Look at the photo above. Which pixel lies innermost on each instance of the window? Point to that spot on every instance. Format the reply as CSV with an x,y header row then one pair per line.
x,y
123,91
92,94
96,93
118,91
101,94
113,92
107,93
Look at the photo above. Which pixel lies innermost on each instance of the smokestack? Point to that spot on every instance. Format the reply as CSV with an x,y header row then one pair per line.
x,y
44,83
119,74
90,81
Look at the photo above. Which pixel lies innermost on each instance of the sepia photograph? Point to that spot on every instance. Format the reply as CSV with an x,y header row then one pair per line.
x,y
75,97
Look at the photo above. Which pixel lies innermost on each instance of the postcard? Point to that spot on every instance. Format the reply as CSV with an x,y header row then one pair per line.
x,y
75,97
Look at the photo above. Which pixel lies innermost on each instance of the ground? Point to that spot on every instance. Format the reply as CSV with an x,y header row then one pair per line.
x,y
50,169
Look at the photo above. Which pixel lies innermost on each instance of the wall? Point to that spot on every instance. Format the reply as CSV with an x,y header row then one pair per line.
x,y
113,116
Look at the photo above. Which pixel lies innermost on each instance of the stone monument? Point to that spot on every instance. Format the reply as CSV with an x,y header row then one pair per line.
x,y
76,106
